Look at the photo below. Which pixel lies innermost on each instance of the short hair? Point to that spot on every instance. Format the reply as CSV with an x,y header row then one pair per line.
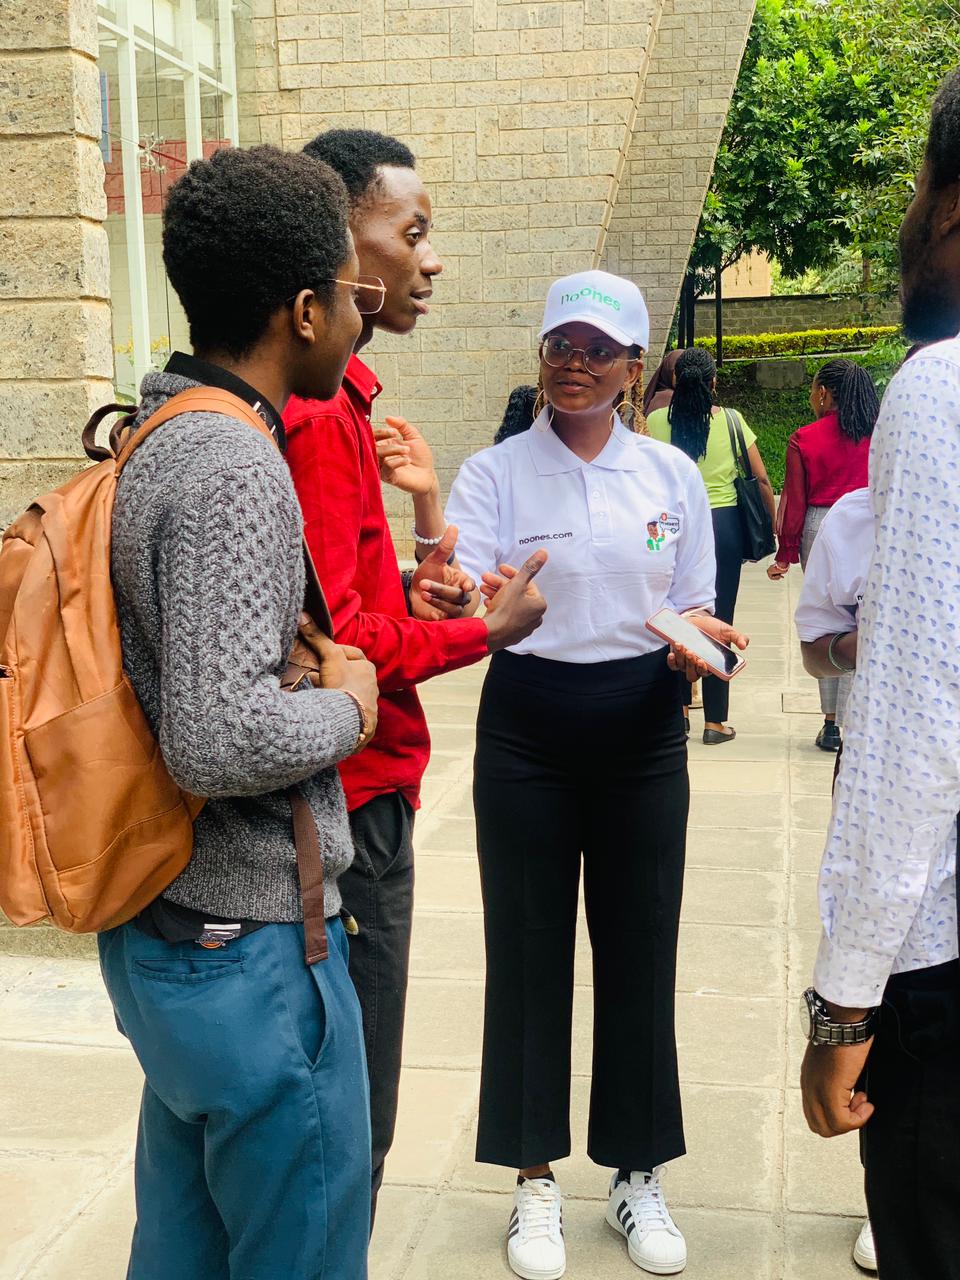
x,y
357,155
245,231
943,144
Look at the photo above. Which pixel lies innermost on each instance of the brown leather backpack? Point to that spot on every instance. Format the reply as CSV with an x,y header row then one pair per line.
x,y
92,826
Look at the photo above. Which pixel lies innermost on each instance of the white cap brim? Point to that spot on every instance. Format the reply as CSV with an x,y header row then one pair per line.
x,y
610,329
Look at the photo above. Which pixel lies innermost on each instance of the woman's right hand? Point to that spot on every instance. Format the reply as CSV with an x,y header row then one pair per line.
x,y
776,571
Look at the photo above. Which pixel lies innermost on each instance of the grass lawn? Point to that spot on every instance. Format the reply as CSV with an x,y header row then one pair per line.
x,y
774,416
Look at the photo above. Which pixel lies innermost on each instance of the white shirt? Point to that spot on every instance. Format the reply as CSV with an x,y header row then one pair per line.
x,y
607,572
887,882
833,580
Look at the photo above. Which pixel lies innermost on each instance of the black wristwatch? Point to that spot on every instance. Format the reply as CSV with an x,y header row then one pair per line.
x,y
820,1028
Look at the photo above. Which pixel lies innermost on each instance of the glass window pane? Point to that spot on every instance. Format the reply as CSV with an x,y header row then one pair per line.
x,y
120,287
208,37
161,23
163,158
174,115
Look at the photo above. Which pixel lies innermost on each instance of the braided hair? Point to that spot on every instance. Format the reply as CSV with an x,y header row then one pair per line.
x,y
691,408
519,413
629,404
854,395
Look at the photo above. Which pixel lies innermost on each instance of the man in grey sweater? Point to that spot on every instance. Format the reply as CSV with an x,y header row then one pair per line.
x,y
253,1157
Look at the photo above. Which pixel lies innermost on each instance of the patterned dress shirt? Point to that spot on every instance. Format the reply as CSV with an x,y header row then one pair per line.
x,y
887,881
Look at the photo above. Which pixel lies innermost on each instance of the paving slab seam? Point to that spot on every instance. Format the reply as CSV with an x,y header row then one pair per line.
x,y
787,1068
27,1043
115,1173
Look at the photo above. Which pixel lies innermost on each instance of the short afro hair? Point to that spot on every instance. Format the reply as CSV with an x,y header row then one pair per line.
x,y
357,155
943,145
243,232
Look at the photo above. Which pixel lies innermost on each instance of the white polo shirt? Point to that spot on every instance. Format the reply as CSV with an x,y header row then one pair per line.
x,y
837,567
628,533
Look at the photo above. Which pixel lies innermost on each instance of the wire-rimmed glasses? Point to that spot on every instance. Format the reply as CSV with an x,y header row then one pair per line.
x,y
370,292
598,359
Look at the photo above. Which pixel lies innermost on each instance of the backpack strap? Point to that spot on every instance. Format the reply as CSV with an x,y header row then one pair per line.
x,y
88,438
194,400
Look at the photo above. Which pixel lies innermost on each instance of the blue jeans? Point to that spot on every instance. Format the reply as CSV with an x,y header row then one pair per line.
x,y
253,1155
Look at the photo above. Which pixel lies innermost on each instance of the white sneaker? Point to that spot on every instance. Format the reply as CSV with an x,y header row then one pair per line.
x,y
865,1251
638,1210
535,1248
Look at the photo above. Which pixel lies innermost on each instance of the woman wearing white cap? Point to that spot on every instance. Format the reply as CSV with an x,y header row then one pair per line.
x,y
581,754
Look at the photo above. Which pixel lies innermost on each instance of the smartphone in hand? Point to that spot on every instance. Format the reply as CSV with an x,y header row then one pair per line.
x,y
720,658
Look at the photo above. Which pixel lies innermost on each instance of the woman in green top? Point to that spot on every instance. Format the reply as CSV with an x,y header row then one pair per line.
x,y
695,424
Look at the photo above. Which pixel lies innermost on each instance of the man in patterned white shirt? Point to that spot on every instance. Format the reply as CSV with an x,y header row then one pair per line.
x,y
884,1014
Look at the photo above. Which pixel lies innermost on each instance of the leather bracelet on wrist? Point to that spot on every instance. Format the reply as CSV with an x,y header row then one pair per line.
x,y
367,724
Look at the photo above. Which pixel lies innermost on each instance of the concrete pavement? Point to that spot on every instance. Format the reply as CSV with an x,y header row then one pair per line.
x,y
757,1196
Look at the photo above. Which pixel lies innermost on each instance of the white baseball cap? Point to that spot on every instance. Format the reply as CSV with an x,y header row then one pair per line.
x,y
611,304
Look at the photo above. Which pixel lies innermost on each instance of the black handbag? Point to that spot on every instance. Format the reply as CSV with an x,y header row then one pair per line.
x,y
755,522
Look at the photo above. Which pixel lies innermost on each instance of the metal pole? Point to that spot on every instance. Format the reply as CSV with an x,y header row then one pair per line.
x,y
691,309
718,301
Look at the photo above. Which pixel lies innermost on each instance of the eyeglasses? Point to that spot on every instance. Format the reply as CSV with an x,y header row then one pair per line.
x,y
598,359
370,293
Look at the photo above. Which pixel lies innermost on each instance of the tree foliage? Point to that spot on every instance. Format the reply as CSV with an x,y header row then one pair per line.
x,y
825,133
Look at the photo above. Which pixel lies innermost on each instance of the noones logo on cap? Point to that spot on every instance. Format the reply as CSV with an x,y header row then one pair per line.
x,y
595,294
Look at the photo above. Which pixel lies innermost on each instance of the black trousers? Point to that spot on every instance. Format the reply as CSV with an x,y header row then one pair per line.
x,y
911,1145
377,890
580,761
728,540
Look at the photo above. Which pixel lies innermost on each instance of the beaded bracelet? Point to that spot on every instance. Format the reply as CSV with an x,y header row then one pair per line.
x,y
426,542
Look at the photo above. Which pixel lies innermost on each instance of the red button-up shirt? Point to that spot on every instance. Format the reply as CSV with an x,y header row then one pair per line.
x,y
333,459
822,465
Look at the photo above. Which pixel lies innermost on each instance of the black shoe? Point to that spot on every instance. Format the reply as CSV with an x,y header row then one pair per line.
x,y
714,737
828,739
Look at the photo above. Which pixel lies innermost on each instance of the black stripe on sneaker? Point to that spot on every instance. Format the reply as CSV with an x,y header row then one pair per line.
x,y
514,1231
623,1213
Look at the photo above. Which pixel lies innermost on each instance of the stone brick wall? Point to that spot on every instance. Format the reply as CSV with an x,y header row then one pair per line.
x,y
55,355
792,314
671,148
554,135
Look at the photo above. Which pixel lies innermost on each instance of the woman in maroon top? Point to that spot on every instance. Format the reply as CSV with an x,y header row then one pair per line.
x,y
825,460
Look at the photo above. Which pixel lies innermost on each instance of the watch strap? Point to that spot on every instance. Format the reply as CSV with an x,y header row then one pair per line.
x,y
843,1033
827,1030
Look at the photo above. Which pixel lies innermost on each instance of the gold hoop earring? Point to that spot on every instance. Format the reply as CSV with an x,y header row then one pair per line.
x,y
619,408
539,404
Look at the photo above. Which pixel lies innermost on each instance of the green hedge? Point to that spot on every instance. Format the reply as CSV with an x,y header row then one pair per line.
x,y
756,346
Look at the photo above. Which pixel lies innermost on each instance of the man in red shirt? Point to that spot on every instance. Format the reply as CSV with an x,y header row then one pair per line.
x,y
333,456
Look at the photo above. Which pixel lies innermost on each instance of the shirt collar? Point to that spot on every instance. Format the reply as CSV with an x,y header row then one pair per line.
x,y
214,375
361,384
552,457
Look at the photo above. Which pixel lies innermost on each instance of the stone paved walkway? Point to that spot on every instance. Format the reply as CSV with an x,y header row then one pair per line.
x,y
758,1197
